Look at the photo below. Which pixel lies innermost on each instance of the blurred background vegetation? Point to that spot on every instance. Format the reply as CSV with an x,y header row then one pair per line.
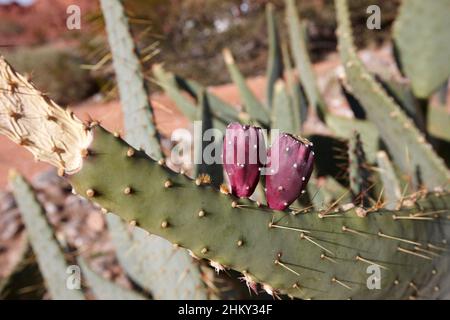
x,y
186,35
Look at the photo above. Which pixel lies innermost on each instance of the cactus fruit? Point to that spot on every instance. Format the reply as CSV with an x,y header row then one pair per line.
x,y
291,161
243,156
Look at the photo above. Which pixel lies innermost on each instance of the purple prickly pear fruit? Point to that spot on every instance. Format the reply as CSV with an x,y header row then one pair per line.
x,y
291,161
244,153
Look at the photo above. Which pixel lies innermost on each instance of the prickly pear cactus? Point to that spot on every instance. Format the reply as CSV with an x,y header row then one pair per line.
x,y
160,277
359,171
302,60
318,254
50,256
395,127
391,186
104,289
275,60
252,106
422,37
314,255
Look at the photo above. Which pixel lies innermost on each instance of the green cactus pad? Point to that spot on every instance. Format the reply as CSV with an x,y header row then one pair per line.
x,y
104,289
275,59
396,129
302,255
360,176
343,127
439,123
138,118
285,116
302,60
49,255
422,36
176,89
391,185
257,110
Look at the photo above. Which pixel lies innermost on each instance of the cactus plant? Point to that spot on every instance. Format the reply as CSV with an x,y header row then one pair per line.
x,y
424,49
303,63
287,249
252,106
275,59
141,133
396,129
283,104
391,185
306,255
104,289
204,166
49,255
322,253
359,171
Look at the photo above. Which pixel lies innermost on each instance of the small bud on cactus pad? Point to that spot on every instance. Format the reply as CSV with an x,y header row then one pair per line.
x,y
290,164
244,153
